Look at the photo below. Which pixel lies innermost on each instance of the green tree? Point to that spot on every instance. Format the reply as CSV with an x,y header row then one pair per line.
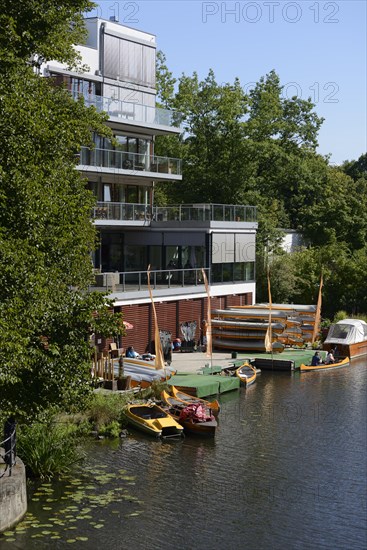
x,y
356,169
165,82
46,235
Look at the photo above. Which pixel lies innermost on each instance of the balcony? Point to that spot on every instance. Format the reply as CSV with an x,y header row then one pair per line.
x,y
138,280
135,112
206,213
134,163
122,211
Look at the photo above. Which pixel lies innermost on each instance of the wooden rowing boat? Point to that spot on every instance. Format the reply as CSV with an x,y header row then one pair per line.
x,y
323,366
245,345
186,398
276,328
246,373
196,418
152,419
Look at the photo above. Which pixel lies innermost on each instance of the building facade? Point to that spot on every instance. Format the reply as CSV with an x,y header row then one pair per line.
x,y
177,241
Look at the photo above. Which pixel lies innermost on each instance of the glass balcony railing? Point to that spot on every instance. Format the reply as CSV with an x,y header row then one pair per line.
x,y
121,211
138,280
109,158
133,281
206,212
134,111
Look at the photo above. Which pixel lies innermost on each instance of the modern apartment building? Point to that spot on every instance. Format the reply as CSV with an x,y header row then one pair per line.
x,y
177,242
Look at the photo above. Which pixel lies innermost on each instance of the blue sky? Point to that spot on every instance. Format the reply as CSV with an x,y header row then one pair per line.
x,y
317,48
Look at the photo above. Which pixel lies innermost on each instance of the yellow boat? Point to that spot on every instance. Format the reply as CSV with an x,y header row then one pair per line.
x,y
246,373
323,366
152,419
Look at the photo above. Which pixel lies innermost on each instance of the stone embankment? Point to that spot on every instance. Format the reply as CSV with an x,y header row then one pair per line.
x,y
13,495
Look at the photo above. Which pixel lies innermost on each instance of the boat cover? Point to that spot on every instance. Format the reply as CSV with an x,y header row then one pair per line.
x,y
347,332
204,385
195,412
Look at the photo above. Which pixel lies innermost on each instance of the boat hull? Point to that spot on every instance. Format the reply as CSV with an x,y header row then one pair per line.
x,y
308,368
247,374
350,350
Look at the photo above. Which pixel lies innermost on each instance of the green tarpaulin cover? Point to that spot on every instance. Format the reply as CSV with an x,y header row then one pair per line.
x,y
298,356
205,385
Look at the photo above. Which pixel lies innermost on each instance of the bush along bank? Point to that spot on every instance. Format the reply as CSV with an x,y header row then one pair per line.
x,y
53,445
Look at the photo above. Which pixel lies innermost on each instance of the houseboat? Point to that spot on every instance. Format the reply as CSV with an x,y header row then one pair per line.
x,y
348,338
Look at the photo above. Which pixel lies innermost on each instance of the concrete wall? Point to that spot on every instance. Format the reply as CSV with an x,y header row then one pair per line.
x,y
13,496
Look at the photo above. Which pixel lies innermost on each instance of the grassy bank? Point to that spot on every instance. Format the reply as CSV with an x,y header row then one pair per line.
x,y
53,444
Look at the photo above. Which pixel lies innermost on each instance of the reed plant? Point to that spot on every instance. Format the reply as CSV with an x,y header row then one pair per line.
x,y
48,448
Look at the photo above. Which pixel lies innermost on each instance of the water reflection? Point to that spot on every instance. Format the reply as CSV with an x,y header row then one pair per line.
x,y
287,469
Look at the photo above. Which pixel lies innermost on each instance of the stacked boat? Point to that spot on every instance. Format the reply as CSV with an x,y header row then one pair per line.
x,y
143,372
244,328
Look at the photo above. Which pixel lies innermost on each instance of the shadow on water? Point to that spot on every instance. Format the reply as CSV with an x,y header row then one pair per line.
x,y
287,469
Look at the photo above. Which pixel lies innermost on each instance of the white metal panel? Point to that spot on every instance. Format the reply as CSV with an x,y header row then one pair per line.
x,y
223,248
245,247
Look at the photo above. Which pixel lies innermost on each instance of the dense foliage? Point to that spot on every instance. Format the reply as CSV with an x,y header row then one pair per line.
x,y
46,236
260,148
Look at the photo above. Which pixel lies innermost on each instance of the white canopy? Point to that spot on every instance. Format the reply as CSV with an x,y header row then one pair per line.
x,y
347,331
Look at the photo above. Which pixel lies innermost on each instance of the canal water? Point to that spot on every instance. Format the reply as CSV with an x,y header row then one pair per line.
x,y
286,470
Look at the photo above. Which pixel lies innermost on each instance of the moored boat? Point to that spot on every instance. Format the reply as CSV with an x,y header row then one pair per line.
x,y
246,373
152,419
195,418
348,337
325,366
188,399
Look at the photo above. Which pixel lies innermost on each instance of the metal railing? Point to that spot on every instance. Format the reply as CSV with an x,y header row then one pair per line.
x,y
138,280
206,212
121,211
133,111
122,160
10,446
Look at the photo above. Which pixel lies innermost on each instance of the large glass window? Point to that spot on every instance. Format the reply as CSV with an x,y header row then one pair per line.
x,y
112,251
155,257
173,257
236,272
107,193
136,258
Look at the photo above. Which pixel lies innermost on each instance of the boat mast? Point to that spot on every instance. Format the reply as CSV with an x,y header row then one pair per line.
x,y
159,359
209,343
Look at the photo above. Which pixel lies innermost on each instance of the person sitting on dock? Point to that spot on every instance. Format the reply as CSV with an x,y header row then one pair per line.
x,y
130,352
330,357
316,359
